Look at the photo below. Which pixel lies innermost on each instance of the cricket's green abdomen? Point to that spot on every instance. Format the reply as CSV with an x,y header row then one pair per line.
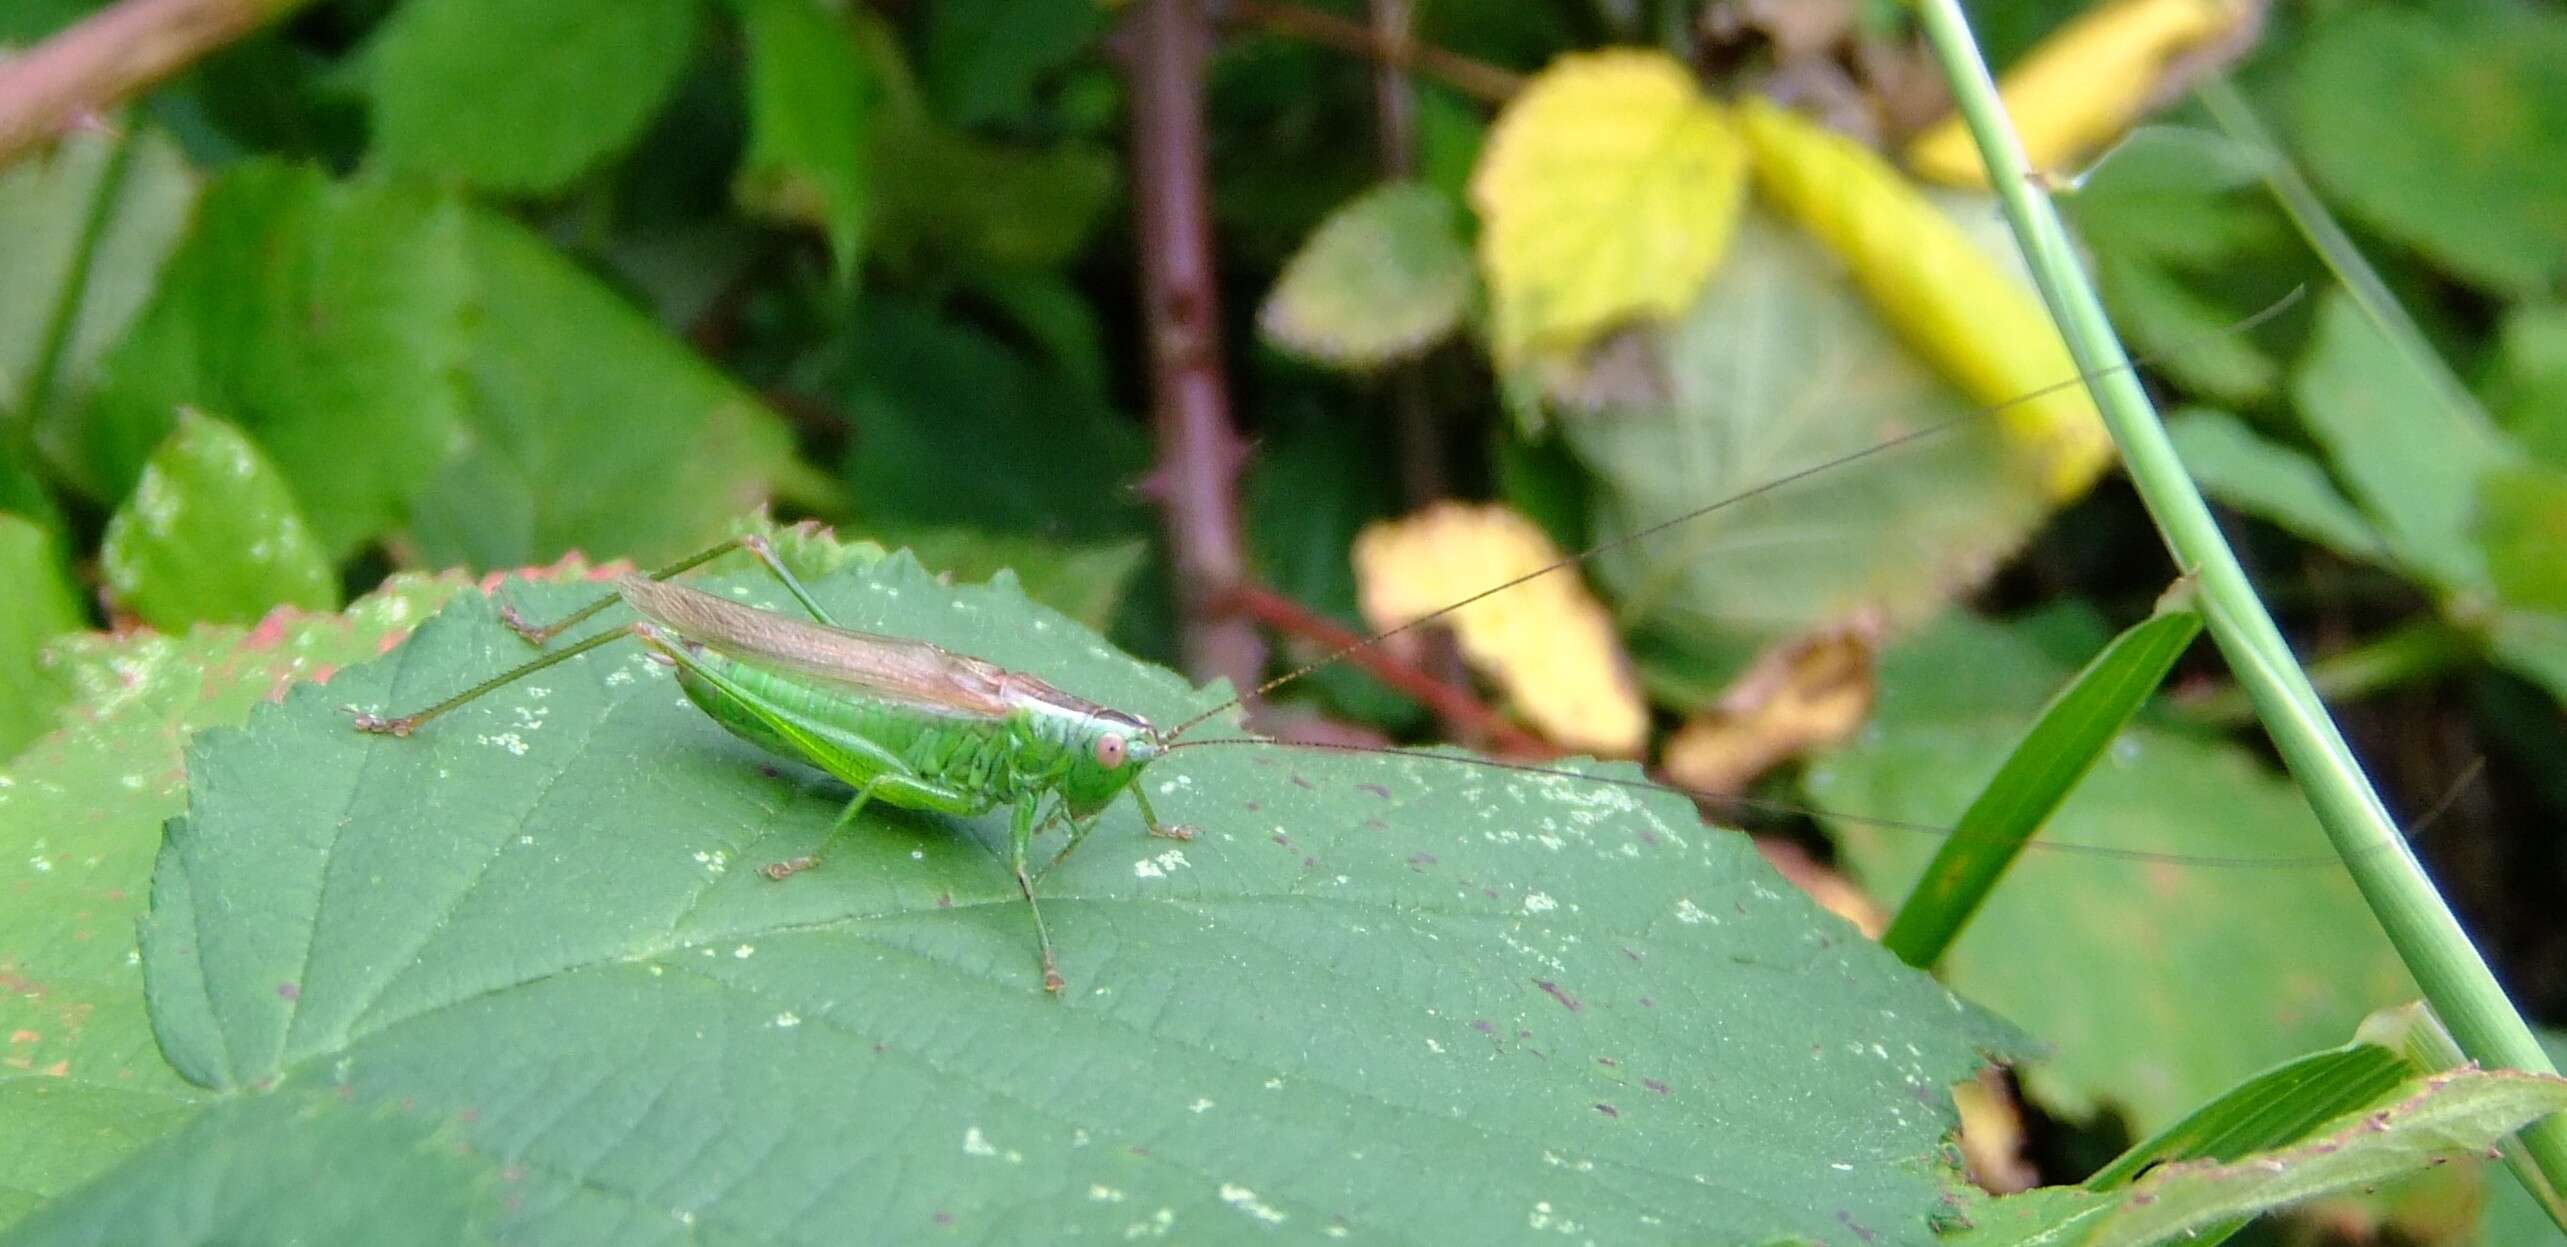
x,y
854,737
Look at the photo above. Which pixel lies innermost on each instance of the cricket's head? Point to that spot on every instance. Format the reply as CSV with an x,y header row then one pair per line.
x,y
1112,747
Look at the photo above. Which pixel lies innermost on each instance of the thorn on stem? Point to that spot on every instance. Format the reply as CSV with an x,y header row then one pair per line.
x,y
1173,831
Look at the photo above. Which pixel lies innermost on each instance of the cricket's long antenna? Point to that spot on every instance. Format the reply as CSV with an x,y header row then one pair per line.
x,y
2277,307
2451,796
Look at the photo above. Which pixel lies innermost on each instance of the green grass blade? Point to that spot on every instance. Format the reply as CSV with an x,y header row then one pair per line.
x,y
2277,1107
2463,992
2072,732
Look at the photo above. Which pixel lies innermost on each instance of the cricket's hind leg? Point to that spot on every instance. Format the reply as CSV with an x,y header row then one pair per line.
x,y
403,725
757,546
542,636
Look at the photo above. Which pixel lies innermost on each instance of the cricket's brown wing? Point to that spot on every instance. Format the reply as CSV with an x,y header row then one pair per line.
x,y
884,666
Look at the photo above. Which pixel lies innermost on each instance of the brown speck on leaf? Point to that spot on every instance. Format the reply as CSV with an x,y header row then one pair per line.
x,y
1552,990
1647,1003
1299,782
1375,789
1282,839
1420,861
1608,1062
1654,1085
944,900
943,1217
1608,1110
289,991
1482,1026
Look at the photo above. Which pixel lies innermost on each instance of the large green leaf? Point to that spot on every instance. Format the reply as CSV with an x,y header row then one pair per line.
x,y
82,1082
1781,368
982,60
41,606
88,223
1378,998
2446,130
959,203
326,320
522,97
2130,967
2185,244
1384,277
592,428
2244,470
2409,458
211,535
810,123
956,429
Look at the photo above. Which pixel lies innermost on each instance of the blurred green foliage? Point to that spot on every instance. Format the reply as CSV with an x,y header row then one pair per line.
x,y
415,285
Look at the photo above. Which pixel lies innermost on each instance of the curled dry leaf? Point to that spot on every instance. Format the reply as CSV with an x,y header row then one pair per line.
x,y
1992,1136
2084,85
1945,296
1547,642
1607,193
1802,694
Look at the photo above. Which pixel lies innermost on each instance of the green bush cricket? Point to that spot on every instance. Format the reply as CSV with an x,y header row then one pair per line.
x,y
900,721
923,728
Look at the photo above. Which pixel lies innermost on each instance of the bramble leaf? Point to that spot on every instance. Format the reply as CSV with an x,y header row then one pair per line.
x,y
82,1083
1392,997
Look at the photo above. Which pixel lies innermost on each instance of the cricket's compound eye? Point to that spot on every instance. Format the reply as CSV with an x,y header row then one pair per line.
x,y
1109,750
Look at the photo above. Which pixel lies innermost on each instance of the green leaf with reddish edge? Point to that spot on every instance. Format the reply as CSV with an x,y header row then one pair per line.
x,y
810,123
211,535
520,97
324,319
592,429
41,606
2432,1121
89,221
81,1081
1389,996
1386,276
2129,967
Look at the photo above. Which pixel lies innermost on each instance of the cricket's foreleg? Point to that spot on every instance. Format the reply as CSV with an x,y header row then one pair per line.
x,y
542,636
1150,818
403,725
1020,839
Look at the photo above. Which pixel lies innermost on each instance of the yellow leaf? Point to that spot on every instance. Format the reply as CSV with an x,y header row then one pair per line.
x,y
1607,192
1800,695
1941,294
2083,85
1547,642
